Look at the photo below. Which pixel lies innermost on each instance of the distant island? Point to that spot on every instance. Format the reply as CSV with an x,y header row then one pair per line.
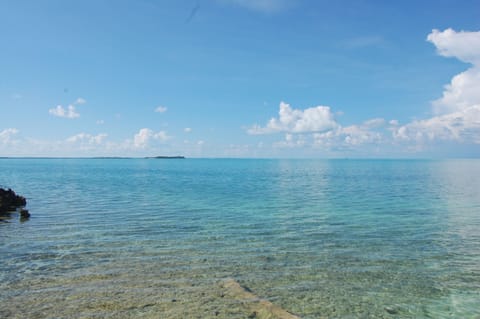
x,y
167,157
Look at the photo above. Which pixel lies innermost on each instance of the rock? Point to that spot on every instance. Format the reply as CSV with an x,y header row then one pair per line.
x,y
260,308
24,213
391,310
9,201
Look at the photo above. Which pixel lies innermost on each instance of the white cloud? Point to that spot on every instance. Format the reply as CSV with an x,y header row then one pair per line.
x,y
82,144
457,112
6,136
314,119
463,91
69,112
187,130
86,138
145,135
373,123
161,109
79,101
462,126
462,45
60,111
353,135
100,122
291,141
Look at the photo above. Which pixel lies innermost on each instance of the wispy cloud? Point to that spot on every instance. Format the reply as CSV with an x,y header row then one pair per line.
x,y
363,42
265,6
161,109
6,136
80,101
348,137
85,142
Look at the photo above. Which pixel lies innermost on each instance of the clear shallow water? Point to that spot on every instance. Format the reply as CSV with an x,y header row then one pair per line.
x,y
140,238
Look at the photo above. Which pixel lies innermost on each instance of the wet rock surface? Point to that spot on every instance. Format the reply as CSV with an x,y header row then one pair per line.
x,y
10,202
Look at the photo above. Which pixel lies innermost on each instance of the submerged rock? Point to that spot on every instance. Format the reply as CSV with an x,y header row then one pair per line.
x,y
391,310
260,308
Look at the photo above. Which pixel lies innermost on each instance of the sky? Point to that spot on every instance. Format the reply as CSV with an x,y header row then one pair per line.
x,y
240,78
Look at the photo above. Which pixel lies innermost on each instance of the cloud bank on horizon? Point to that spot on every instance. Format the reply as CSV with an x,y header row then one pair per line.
x,y
455,118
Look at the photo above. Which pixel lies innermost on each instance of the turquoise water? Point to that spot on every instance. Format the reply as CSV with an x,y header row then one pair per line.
x,y
140,238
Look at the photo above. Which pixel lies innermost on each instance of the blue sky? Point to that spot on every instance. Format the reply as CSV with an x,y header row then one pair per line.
x,y
240,78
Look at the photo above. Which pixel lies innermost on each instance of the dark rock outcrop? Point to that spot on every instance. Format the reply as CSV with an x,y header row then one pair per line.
x,y
24,213
9,201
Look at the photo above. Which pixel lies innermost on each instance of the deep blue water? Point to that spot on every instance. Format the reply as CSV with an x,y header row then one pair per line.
x,y
320,238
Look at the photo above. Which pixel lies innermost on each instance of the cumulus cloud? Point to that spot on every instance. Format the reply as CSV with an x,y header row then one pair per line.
x,y
314,119
60,111
68,112
456,115
457,112
187,130
161,109
462,45
463,91
145,135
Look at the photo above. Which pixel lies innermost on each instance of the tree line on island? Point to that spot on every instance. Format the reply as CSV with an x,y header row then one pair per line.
x,y
166,157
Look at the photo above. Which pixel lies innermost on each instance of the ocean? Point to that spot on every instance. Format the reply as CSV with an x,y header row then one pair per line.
x,y
156,238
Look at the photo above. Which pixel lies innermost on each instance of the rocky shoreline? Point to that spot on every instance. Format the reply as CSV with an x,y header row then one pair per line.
x,y
11,202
